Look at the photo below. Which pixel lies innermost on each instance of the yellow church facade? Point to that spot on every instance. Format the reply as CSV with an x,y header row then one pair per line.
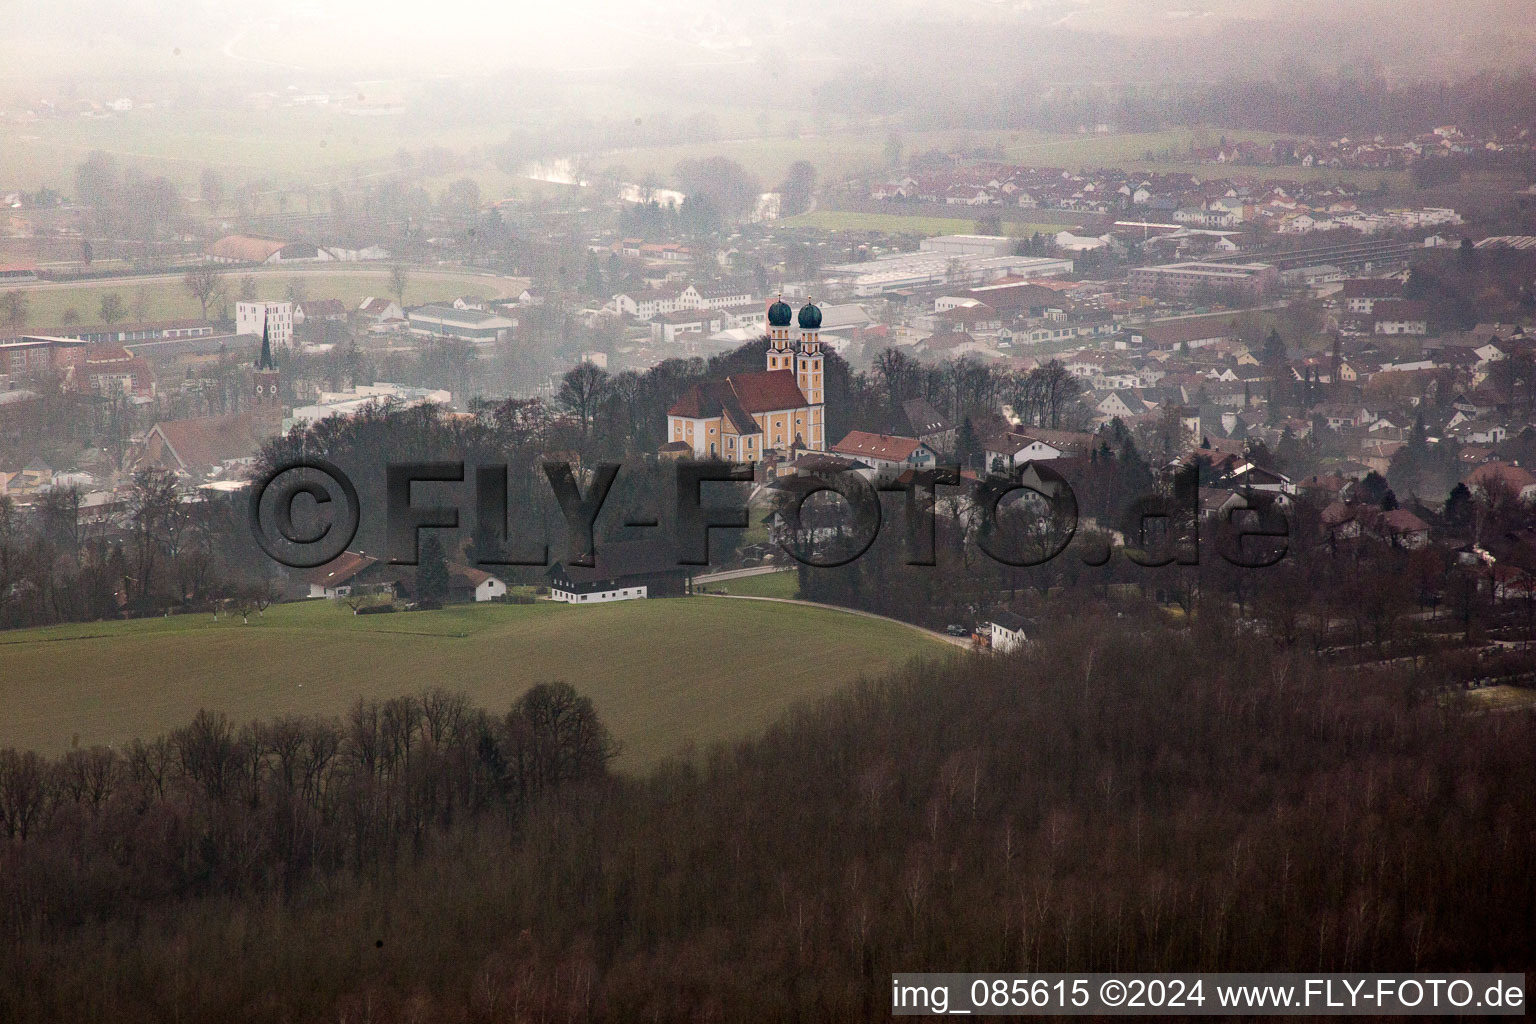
x,y
743,416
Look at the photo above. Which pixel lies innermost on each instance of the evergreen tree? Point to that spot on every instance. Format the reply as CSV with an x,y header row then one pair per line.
x,y
1274,348
967,446
1458,508
1411,461
432,573
1373,489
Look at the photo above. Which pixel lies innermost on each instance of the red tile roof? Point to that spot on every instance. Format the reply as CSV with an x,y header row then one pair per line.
x,y
470,575
245,249
106,354
767,391
339,570
209,441
863,444
740,395
1516,477
1400,520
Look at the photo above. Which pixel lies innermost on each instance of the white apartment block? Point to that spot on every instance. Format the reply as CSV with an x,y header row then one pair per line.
x,y
276,317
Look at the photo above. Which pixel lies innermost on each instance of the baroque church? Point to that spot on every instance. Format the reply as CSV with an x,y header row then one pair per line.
x,y
745,415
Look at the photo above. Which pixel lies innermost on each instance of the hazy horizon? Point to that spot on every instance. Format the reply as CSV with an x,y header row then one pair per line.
x,y
274,42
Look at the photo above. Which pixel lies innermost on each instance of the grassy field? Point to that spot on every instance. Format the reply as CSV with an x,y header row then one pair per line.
x,y
1168,151
317,145
892,223
772,584
840,152
323,147
664,674
165,297
1503,698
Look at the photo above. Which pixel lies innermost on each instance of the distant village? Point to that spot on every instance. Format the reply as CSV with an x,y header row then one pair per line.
x,y
1298,340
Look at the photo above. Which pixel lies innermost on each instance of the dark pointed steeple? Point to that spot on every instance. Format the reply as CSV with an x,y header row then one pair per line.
x,y
265,361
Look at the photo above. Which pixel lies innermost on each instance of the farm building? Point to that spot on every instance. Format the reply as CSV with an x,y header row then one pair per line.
x,y
625,571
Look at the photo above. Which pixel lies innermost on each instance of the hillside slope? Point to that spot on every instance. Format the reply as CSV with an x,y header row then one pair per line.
x,y
663,674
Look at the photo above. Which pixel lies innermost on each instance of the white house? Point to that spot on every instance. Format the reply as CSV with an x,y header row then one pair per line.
x,y
380,310
1124,404
484,586
1007,452
337,578
1005,633
655,302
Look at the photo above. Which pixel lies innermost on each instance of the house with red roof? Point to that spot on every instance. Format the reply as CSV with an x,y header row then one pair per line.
x,y
336,578
889,455
1517,479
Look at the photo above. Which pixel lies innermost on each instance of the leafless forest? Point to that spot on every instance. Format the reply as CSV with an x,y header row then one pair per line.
x,y
1128,797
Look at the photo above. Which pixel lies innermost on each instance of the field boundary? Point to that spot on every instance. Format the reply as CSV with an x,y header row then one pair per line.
x,y
952,641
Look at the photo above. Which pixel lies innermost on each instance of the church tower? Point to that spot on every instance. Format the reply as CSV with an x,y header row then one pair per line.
x,y
809,364
267,404
779,356
808,360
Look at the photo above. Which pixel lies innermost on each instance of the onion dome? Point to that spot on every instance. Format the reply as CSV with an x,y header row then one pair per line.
x,y
810,317
779,314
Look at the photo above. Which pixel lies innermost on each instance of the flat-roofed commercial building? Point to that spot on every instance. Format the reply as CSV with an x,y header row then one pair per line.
x,y
969,245
467,324
938,269
1190,280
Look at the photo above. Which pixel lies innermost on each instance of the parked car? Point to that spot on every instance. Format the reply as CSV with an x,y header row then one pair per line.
x,y
954,630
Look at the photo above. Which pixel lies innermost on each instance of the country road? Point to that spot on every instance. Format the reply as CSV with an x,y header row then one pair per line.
x,y
736,574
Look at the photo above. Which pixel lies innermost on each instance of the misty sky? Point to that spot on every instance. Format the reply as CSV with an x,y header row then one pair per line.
x,y
157,38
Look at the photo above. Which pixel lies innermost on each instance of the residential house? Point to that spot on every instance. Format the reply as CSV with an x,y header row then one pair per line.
x,y
467,584
1006,632
319,311
1008,451
1517,479
918,418
380,311
340,576
889,456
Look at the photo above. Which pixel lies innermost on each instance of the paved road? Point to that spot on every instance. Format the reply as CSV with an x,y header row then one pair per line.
x,y
951,640
736,574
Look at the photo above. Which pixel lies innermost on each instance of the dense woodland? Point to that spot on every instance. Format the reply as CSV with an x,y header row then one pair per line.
x,y
1127,795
